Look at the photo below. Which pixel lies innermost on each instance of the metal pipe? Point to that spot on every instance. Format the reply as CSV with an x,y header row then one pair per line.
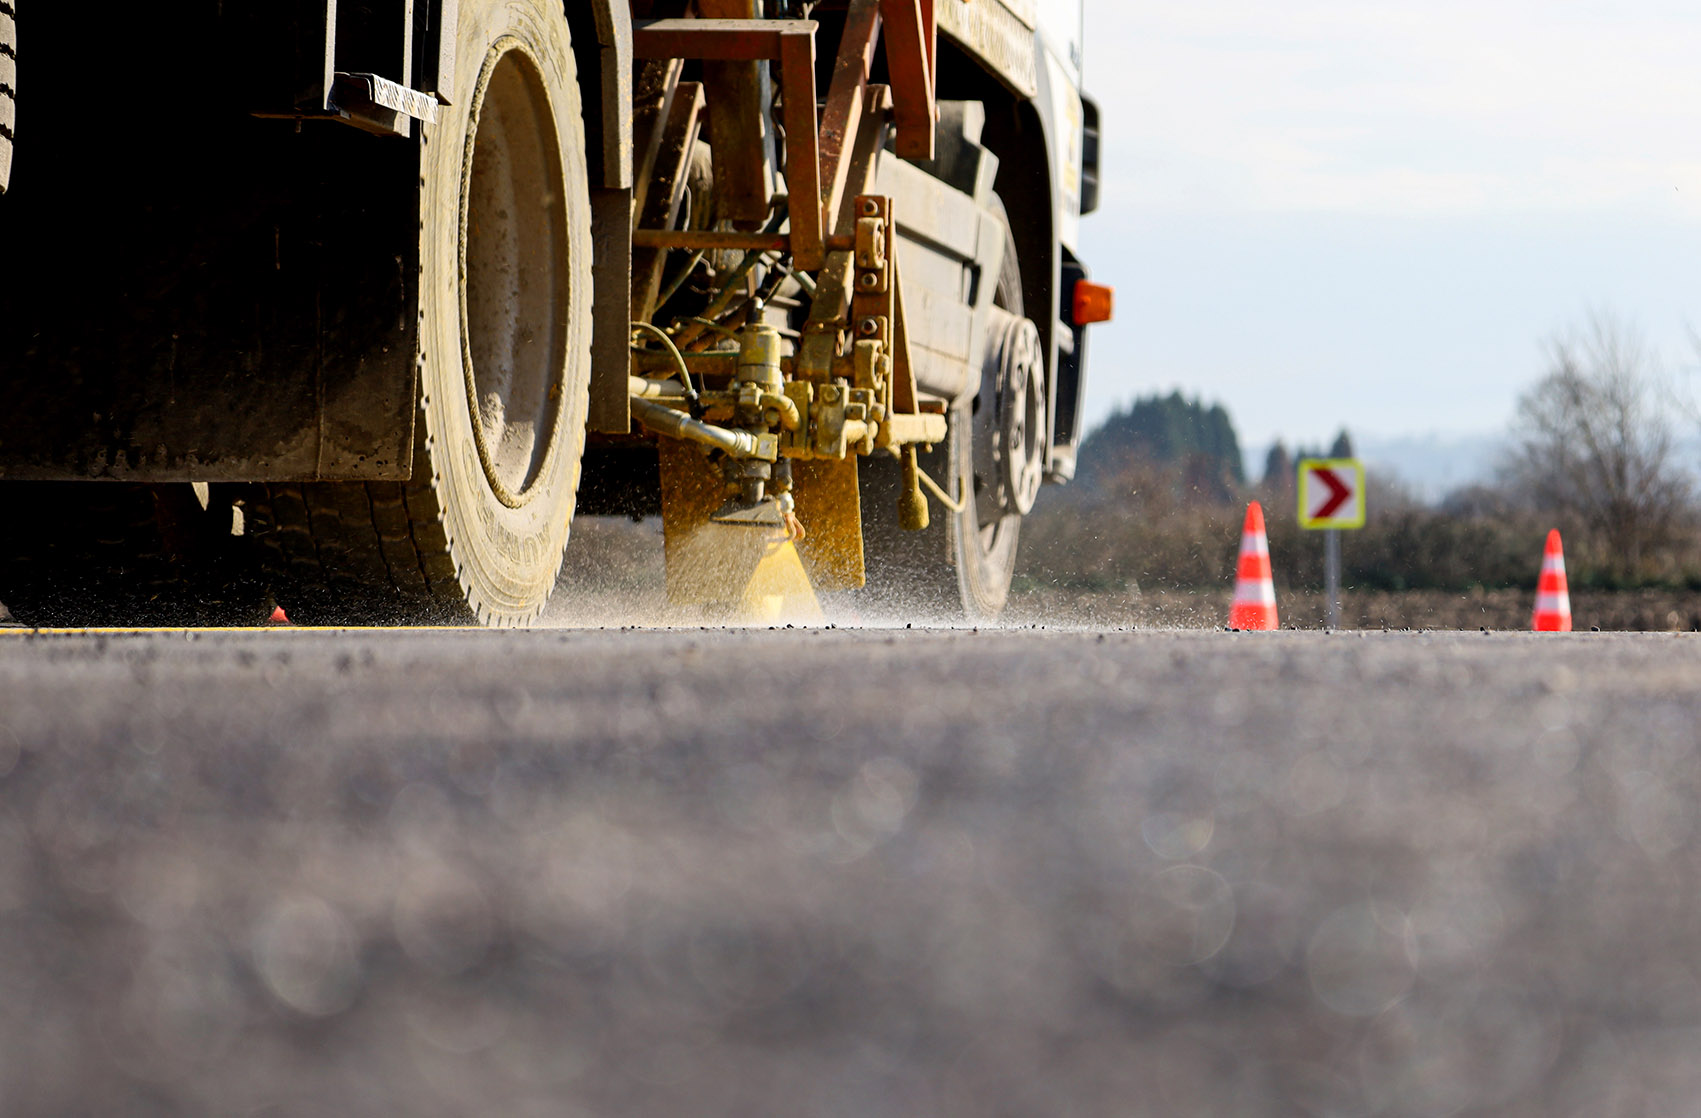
x,y
912,506
710,240
934,488
790,418
660,417
723,297
904,428
716,241
681,276
719,304
654,389
714,363
707,324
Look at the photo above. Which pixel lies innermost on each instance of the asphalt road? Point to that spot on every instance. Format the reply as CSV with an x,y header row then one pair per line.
x,y
849,873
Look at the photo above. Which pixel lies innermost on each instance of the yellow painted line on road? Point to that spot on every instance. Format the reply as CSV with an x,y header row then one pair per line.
x,y
113,631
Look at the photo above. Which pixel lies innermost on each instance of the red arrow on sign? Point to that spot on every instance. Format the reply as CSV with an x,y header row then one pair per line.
x,y
1338,494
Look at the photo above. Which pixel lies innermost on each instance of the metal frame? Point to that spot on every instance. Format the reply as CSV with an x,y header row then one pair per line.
x,y
818,151
852,386
792,44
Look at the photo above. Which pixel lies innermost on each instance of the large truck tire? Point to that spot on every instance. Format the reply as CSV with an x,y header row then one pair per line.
x,y
8,87
505,332
960,567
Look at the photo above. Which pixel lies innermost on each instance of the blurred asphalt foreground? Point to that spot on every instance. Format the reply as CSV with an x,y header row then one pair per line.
x,y
849,872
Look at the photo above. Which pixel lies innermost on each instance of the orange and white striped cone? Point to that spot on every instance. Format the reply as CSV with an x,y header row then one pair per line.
x,y
1553,593
1254,605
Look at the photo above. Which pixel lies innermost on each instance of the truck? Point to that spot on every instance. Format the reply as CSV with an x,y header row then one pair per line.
x,y
352,305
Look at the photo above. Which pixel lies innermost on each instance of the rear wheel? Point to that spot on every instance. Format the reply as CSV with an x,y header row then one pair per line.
x,y
961,566
504,304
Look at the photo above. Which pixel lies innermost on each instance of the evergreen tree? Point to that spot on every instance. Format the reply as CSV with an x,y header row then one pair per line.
x,y
1197,443
1278,468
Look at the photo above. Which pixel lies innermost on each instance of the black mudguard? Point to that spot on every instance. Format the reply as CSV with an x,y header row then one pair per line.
x,y
188,292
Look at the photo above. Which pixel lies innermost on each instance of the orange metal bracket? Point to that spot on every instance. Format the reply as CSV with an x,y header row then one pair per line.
x,y
791,42
845,96
817,155
912,56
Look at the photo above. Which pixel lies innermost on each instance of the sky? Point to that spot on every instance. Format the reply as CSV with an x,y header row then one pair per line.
x,y
1370,214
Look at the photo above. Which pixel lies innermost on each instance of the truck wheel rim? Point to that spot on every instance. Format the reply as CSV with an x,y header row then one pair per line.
x,y
513,268
1023,415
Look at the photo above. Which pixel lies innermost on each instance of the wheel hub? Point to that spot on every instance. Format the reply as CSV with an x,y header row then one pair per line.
x,y
1010,458
1021,410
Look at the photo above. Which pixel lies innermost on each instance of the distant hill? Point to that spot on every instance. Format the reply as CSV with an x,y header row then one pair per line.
x,y
1194,441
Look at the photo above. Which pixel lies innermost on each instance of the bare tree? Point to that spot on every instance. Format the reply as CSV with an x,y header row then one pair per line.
x,y
1593,441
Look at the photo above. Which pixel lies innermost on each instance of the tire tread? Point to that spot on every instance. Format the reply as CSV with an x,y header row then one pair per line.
x,y
351,551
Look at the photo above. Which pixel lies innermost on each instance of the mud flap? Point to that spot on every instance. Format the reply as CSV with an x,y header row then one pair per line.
x,y
829,505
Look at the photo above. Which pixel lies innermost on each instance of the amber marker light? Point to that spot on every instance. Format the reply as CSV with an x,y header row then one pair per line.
x,y
1093,302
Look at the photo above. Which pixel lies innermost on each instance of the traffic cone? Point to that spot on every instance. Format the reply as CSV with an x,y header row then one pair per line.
x,y
1254,605
1553,594
279,617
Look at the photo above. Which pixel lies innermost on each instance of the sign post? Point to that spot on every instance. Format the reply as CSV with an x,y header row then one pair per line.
x,y
1331,497
1332,574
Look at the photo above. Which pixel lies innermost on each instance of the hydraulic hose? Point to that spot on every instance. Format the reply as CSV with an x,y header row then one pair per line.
x,y
678,359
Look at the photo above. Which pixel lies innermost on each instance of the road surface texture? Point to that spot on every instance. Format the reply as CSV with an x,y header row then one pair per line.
x,y
839,872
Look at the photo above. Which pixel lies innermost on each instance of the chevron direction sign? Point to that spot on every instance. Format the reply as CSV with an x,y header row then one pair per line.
x,y
1331,493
